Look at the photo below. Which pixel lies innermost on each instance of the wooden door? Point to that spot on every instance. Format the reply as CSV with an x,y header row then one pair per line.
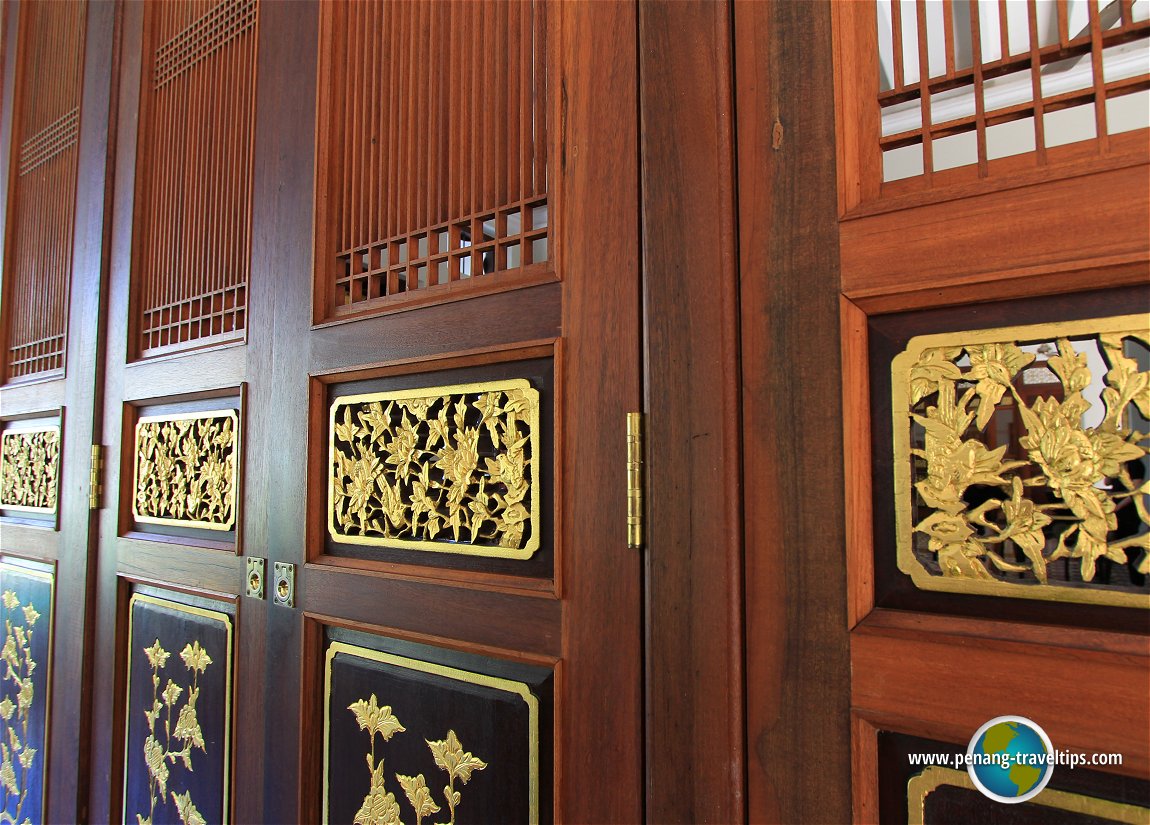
x,y
53,130
372,339
986,231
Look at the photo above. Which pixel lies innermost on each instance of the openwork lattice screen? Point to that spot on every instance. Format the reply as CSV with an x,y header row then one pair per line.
x,y
43,185
193,208
432,148
971,89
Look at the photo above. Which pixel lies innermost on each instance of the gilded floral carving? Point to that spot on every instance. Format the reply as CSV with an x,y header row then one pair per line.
x,y
379,805
30,462
186,469
995,516
169,743
17,756
453,469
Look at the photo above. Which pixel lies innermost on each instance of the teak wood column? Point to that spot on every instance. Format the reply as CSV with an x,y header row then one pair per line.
x,y
798,669
693,573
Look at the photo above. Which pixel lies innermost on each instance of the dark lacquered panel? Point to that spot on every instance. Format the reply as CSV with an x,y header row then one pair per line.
x,y
426,741
913,794
178,748
27,592
944,795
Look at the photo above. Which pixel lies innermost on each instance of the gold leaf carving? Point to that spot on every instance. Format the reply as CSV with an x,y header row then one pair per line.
x,y
178,739
1003,513
453,469
29,469
186,469
379,806
16,756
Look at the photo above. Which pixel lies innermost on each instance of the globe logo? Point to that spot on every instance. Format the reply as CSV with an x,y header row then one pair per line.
x,y
1010,759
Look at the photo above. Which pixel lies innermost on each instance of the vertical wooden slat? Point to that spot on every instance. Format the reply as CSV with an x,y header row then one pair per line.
x,y
1036,85
948,35
1003,29
542,99
979,100
924,92
433,128
898,80
475,86
1101,130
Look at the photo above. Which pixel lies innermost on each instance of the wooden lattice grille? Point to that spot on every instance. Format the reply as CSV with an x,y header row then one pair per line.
x,y
993,80
194,172
42,195
432,149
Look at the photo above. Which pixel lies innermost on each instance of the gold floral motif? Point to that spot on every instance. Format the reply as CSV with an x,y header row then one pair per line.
x,y
380,806
16,755
186,469
30,462
180,739
452,469
994,524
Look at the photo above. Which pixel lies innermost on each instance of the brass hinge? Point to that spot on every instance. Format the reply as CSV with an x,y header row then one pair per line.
x,y
634,480
95,484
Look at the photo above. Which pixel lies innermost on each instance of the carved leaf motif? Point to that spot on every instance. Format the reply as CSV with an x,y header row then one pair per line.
x,y
188,724
187,809
154,758
418,794
195,657
934,366
1125,384
8,777
375,719
379,807
450,756
994,366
